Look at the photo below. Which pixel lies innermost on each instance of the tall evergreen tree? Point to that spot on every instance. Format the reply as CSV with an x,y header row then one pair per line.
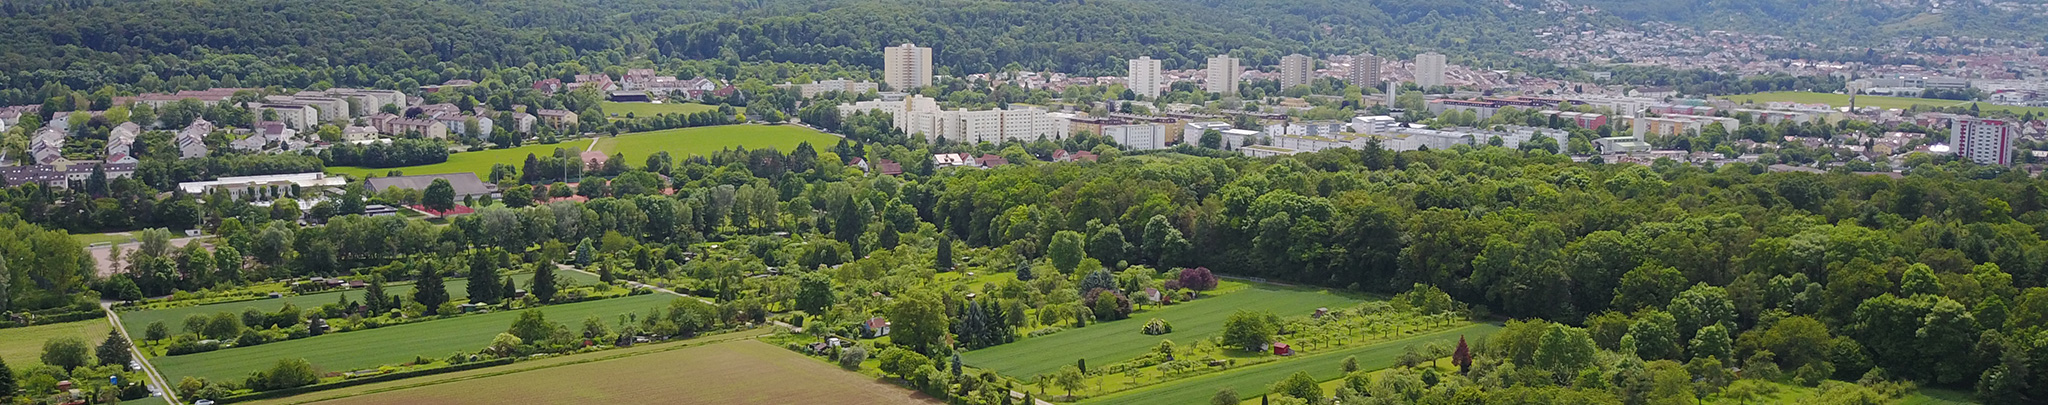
x,y
944,260
429,291
114,350
585,253
374,299
483,276
543,285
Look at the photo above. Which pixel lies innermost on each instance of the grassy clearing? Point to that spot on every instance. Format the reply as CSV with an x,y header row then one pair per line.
x,y
519,367
1250,381
1110,342
458,288
1842,100
22,347
741,372
89,239
389,345
683,142
619,110
467,162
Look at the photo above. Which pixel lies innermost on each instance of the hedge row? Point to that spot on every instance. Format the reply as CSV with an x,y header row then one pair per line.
x,y
359,381
59,318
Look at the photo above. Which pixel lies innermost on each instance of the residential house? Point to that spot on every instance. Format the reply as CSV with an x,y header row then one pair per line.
x,y
556,118
192,139
121,143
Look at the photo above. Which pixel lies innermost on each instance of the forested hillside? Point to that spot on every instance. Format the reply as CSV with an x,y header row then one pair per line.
x,y
1857,22
162,45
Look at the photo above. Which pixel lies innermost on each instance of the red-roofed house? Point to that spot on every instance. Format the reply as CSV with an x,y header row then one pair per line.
x,y
990,161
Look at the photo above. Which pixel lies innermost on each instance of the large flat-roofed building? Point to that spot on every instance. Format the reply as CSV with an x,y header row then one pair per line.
x,y
907,66
1365,71
1673,125
920,115
1222,75
1429,69
1145,77
238,185
1296,70
1137,136
1984,141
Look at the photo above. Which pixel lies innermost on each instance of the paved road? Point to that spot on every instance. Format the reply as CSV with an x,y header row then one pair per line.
x,y
157,384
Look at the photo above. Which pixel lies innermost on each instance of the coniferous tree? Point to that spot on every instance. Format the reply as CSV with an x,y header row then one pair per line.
x,y
429,291
543,284
483,277
374,299
114,350
944,261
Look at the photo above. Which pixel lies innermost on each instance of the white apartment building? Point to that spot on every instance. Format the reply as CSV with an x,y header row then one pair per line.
x,y
809,90
1983,141
1146,77
1365,71
1296,70
907,66
1373,124
921,115
1137,136
1429,69
1223,73
1677,124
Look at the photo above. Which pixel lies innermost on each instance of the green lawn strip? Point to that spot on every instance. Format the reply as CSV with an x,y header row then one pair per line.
x,y
89,239
1110,342
1250,381
22,348
1842,100
643,110
392,344
478,162
683,142
136,322
519,367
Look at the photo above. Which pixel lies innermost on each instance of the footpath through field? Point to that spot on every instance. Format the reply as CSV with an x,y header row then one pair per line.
x,y
156,381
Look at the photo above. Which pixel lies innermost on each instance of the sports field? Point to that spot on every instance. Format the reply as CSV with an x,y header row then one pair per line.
x,y
619,110
392,344
1111,342
740,372
22,347
1253,380
458,288
478,162
683,142
1842,100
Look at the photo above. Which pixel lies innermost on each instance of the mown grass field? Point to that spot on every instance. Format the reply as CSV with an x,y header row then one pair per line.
x,y
22,347
1110,342
478,162
1842,100
436,339
619,110
740,372
89,239
683,142
137,322
1253,380
519,367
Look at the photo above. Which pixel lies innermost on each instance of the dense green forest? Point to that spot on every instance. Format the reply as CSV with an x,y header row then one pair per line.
x,y
1831,22
171,45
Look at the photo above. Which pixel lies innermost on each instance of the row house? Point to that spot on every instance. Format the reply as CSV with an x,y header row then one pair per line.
x,y
192,139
